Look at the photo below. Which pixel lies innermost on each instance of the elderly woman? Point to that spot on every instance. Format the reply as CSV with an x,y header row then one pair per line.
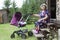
x,y
43,14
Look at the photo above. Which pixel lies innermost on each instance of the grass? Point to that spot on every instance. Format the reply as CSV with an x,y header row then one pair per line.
x,y
6,30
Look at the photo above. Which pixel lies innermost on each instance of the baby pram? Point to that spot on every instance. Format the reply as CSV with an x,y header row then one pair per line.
x,y
22,22
17,20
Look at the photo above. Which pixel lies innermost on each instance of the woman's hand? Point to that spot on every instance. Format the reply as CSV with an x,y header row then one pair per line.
x,y
36,15
40,20
46,16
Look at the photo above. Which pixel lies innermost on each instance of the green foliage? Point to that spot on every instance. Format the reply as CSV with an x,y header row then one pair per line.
x,y
10,14
7,3
31,6
14,6
12,10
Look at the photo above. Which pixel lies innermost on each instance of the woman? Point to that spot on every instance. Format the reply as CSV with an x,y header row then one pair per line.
x,y
43,16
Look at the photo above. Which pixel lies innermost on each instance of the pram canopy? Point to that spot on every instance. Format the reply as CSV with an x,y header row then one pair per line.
x,y
17,20
16,17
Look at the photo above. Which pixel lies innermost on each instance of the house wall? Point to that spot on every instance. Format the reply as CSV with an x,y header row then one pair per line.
x,y
3,16
58,9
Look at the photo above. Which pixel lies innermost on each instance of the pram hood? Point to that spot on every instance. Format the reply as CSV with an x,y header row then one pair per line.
x,y
16,17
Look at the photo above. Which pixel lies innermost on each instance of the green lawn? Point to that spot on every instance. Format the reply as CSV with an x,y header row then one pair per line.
x,y
6,30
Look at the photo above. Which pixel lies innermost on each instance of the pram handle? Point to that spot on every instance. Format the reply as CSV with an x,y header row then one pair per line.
x,y
27,17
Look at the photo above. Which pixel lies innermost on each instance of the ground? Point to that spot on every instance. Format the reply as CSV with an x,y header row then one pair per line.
x,y
6,30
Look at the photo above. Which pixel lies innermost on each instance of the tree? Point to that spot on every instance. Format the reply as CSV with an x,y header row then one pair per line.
x,y
14,6
7,4
13,9
31,6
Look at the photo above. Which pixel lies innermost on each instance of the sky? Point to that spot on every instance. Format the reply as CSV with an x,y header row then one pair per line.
x,y
19,3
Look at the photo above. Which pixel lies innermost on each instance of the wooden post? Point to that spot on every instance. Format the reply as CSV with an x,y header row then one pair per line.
x,y
1,18
58,34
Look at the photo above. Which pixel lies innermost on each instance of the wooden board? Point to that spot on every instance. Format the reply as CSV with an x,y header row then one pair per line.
x,y
37,35
1,18
40,35
58,34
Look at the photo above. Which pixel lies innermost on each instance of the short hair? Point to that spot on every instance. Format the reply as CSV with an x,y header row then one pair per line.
x,y
43,5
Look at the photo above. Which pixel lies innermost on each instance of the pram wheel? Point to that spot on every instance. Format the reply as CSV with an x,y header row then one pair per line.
x,y
23,36
30,33
12,36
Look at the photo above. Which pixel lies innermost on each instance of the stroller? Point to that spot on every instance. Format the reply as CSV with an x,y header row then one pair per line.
x,y
17,20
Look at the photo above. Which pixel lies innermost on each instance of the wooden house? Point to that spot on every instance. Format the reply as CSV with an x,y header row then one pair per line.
x,y
3,16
